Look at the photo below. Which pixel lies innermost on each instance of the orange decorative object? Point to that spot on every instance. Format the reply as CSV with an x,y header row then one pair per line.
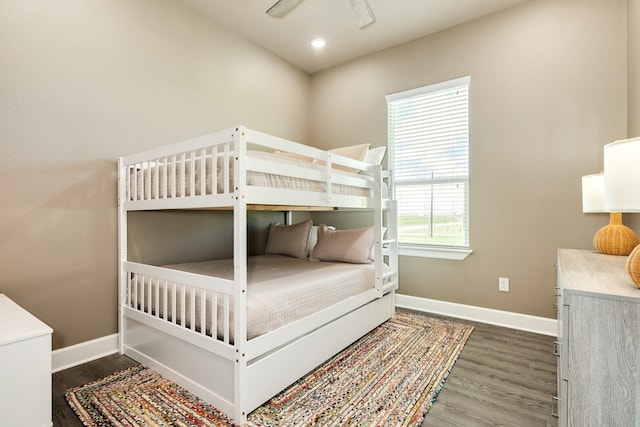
x,y
615,238
633,265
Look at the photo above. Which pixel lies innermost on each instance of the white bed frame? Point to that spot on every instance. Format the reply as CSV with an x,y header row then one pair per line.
x,y
238,375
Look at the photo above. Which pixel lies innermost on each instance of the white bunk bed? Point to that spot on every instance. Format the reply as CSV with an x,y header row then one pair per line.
x,y
235,169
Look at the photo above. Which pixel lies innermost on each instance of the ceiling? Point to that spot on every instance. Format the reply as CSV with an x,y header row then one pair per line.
x,y
396,22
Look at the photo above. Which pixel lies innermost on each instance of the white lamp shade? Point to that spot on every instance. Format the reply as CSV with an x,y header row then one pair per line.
x,y
622,176
593,193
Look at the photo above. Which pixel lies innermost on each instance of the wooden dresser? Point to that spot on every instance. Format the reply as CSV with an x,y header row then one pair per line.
x,y
598,341
25,367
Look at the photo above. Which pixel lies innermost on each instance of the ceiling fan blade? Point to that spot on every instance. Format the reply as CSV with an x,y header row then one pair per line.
x,y
282,7
361,12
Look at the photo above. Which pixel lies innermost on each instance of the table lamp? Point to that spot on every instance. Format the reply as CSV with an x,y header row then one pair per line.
x,y
622,194
614,238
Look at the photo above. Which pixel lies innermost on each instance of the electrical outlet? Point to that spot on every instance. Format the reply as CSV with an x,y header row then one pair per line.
x,y
503,284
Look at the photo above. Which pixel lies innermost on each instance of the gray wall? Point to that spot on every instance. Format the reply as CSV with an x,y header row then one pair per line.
x,y
189,236
633,67
548,90
82,83
633,81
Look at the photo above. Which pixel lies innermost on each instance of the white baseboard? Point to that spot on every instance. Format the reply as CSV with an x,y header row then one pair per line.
x,y
507,319
68,357
87,351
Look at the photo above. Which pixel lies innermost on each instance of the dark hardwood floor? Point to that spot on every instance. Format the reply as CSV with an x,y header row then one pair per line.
x,y
503,377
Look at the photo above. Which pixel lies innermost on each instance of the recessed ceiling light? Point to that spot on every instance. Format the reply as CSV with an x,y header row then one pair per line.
x,y
318,43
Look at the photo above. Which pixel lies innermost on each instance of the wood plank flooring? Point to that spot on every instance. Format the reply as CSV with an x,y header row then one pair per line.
x,y
503,377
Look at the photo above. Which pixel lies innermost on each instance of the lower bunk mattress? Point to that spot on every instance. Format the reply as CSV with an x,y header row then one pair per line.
x,y
280,290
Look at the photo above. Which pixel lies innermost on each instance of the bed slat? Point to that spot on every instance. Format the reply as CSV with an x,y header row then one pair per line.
x,y
214,315
225,170
183,305
203,312
174,289
181,175
192,308
192,174
225,321
173,176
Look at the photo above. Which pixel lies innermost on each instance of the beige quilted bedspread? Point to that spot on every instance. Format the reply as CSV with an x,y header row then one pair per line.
x,y
282,289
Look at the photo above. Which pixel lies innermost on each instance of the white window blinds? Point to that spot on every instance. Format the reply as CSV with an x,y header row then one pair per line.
x,y
429,155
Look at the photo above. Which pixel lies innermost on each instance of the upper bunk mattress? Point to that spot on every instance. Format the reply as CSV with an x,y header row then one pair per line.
x,y
282,289
157,180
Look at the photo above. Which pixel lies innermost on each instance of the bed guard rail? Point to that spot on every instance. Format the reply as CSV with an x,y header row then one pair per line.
x,y
212,170
192,302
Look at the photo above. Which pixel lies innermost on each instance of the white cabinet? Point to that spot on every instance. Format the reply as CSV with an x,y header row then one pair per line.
x,y
25,367
598,341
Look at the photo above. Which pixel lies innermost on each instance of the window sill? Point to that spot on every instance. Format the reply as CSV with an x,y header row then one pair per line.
x,y
444,253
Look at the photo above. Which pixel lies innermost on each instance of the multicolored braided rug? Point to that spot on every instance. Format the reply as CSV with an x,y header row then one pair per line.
x,y
390,377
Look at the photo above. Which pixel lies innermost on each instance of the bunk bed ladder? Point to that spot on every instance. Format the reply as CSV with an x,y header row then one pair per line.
x,y
385,222
390,246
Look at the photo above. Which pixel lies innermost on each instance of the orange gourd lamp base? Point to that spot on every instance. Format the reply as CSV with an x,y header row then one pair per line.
x,y
633,265
615,238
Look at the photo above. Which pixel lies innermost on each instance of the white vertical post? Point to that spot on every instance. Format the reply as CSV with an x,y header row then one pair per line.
x,y
377,227
329,179
240,275
123,183
392,226
392,236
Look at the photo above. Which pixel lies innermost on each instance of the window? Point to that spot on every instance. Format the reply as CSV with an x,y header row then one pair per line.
x,y
429,155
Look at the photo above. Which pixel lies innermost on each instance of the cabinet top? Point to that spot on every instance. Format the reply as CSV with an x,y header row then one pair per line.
x,y
591,272
17,324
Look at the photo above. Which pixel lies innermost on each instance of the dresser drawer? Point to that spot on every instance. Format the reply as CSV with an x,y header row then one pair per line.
x,y
598,341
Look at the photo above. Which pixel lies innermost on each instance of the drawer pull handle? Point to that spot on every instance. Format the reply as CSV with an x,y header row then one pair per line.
x,y
555,404
556,348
